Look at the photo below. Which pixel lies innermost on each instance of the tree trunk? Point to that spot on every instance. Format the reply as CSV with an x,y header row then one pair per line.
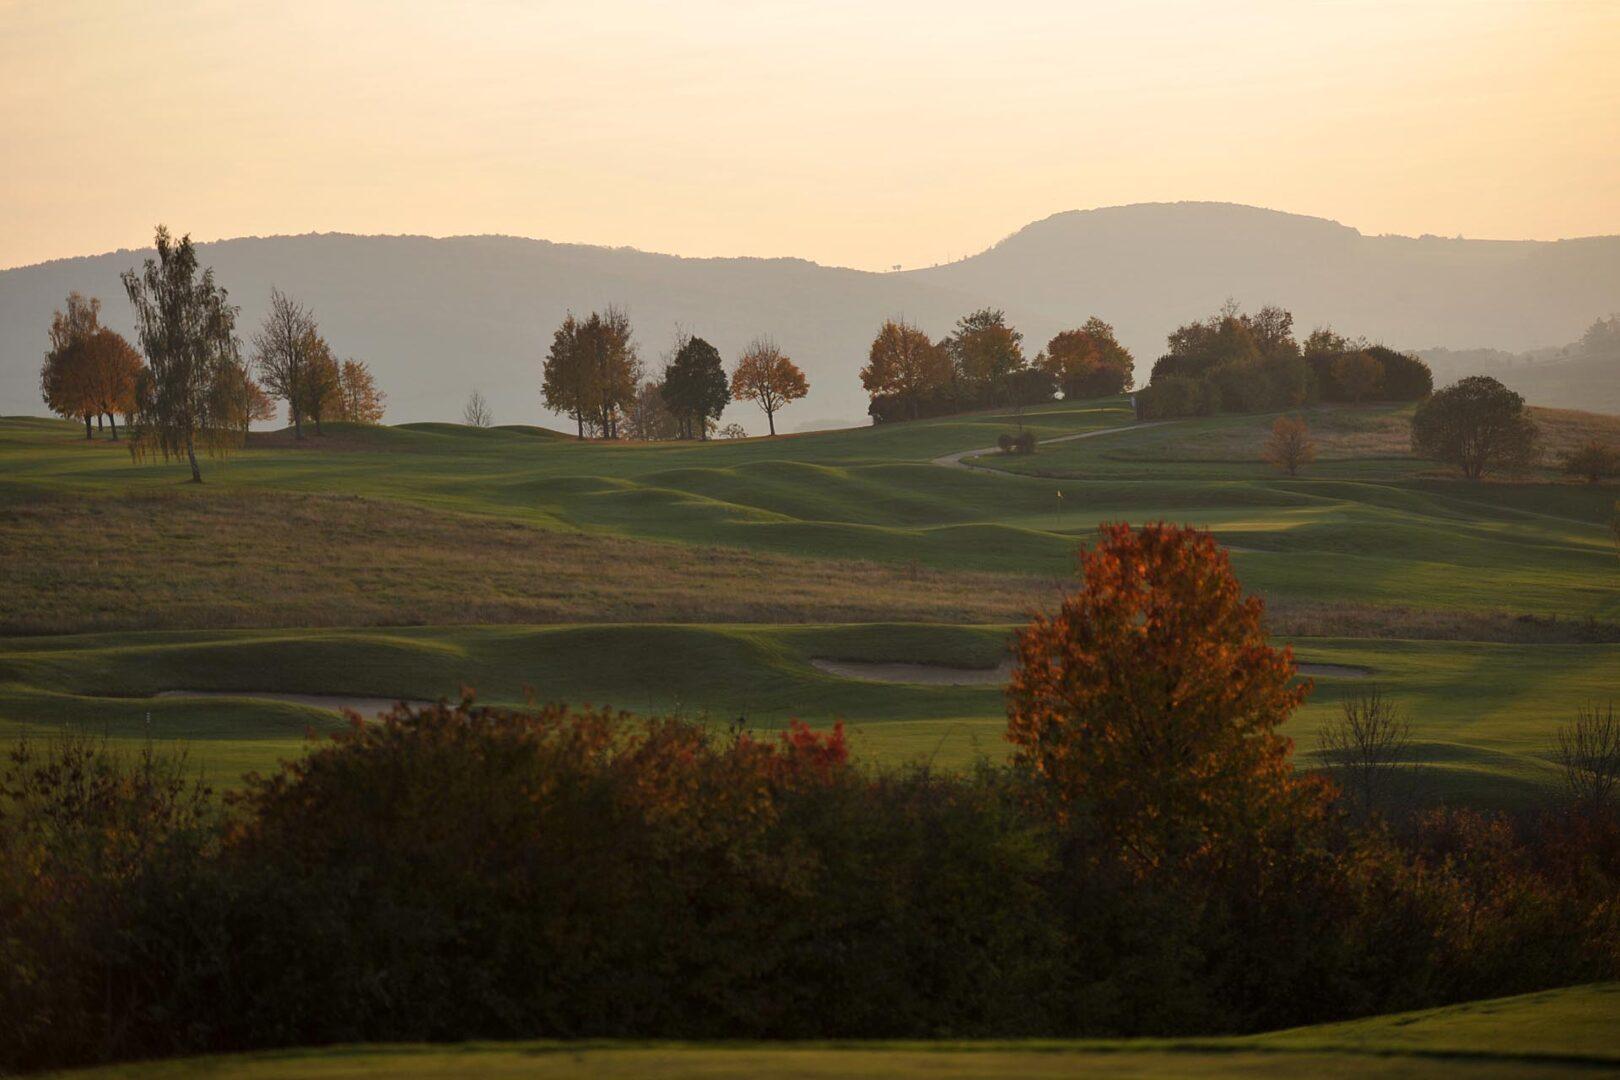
x,y
770,418
191,455
88,434
298,425
100,426
112,422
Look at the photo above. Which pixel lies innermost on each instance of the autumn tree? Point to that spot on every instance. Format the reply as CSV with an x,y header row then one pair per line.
x,y
476,413
695,387
905,365
320,396
1088,362
65,381
1150,701
89,371
284,355
113,369
1358,375
766,376
244,401
358,399
187,329
1476,424
1290,444
985,350
590,371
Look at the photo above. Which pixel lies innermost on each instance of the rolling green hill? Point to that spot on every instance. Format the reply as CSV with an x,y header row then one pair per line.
x,y
406,561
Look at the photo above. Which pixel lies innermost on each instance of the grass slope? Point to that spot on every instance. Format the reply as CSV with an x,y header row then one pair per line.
x,y
425,555
1558,1033
1482,712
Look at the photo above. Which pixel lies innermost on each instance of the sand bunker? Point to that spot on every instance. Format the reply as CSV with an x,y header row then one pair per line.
x,y
365,706
944,675
920,674
1334,671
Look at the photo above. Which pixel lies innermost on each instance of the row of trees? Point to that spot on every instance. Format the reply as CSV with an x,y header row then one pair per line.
x,y
981,364
89,370
194,391
594,373
1239,362
299,368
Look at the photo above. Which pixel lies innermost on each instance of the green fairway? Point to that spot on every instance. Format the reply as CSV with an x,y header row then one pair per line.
x,y
1483,713
1558,1033
407,561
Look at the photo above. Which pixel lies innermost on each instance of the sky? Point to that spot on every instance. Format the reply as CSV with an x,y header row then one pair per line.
x,y
865,134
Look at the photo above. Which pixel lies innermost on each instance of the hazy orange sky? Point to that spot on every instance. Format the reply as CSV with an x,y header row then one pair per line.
x,y
861,134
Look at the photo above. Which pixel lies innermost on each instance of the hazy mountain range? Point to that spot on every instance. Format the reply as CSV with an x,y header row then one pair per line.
x,y
438,318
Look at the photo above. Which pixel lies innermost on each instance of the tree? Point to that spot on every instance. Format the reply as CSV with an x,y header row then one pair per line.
x,y
1364,749
476,412
321,393
1476,424
648,417
187,329
766,376
905,365
283,353
1358,376
695,387
590,371
733,431
113,369
244,400
985,350
1150,701
1290,445
1588,750
1088,362
89,371
1593,460
1406,378
359,401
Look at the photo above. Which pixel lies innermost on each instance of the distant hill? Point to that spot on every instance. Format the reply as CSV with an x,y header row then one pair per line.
x,y
439,318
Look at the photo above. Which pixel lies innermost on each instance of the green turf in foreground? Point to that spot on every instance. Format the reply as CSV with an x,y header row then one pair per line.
x,y
1572,1032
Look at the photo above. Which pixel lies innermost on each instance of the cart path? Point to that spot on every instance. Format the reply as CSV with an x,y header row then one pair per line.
x,y
957,460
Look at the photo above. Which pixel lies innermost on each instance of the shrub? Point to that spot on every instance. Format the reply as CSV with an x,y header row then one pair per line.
x,y
1290,445
1592,460
1005,442
1025,443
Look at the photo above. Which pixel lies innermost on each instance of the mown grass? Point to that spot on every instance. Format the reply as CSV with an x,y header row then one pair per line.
x,y
1569,1032
1484,714
473,536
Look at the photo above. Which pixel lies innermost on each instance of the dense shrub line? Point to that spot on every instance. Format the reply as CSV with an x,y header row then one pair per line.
x,y
460,872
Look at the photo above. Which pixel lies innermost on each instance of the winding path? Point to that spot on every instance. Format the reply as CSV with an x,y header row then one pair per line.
x,y
957,459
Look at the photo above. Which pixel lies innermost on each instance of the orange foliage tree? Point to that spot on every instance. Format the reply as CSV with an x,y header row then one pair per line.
x,y
1150,701
1290,444
764,374
1087,363
358,399
906,365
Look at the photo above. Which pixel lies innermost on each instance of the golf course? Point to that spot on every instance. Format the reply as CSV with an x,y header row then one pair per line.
x,y
718,579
